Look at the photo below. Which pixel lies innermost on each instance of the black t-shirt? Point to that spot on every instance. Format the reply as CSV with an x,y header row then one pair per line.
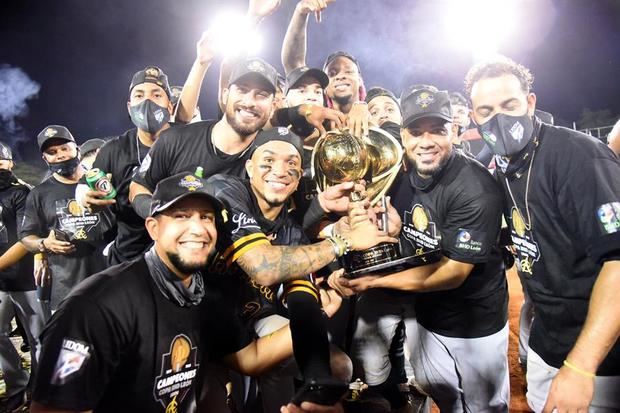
x,y
117,344
245,229
12,203
183,149
574,207
51,205
120,157
459,212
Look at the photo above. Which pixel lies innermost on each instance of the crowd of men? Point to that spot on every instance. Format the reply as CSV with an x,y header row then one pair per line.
x,y
198,271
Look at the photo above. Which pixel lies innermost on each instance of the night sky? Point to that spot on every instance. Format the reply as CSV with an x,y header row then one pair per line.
x,y
83,53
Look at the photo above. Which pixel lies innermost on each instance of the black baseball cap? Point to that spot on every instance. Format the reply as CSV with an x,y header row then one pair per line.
x,y
257,68
91,145
151,74
296,75
279,133
379,91
425,102
5,152
171,190
337,54
53,132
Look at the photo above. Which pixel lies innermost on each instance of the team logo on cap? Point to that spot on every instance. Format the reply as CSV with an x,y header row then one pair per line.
x,y
191,183
49,132
424,99
152,71
256,66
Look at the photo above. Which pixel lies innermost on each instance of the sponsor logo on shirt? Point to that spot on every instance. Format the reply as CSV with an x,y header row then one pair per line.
x,y
419,230
465,241
178,370
243,221
76,221
146,163
73,354
191,183
609,216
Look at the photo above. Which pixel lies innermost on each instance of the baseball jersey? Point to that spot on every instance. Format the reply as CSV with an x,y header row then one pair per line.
x,y
457,211
569,227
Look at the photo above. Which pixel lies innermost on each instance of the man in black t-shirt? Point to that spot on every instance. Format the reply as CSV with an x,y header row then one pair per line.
x,y
562,203
55,224
457,328
132,337
150,109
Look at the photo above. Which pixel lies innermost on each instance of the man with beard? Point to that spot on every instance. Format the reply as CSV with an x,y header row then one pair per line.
x,y
17,289
132,338
55,224
150,109
562,203
457,330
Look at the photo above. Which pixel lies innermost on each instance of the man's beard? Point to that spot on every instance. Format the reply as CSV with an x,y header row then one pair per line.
x,y
185,267
243,129
430,171
343,100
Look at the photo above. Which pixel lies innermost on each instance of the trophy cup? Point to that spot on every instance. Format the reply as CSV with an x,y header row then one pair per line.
x,y
341,157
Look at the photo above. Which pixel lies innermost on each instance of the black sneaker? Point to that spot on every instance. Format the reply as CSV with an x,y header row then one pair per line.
x,y
14,403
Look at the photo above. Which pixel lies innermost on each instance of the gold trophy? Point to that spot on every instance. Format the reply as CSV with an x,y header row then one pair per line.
x,y
341,157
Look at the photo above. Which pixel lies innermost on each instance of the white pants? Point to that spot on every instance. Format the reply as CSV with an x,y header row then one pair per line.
x,y
539,377
463,374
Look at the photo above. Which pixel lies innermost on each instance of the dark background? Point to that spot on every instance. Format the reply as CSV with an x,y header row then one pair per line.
x,y
83,53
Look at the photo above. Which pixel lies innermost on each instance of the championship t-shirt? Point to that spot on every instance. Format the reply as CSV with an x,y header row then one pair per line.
x,y
459,212
118,345
568,227
52,205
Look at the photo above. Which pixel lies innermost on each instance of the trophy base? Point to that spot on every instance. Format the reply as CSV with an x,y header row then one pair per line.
x,y
394,265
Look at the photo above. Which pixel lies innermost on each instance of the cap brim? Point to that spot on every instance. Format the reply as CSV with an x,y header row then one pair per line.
x,y
215,203
318,74
255,75
418,116
60,138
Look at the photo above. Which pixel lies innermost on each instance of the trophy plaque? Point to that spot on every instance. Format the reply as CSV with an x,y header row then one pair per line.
x,y
341,157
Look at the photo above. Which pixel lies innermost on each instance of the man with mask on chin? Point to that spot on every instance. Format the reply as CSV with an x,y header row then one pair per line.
x,y
53,221
149,108
562,203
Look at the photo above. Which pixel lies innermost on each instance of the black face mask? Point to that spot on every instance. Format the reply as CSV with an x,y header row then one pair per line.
x,y
64,168
149,116
507,135
6,177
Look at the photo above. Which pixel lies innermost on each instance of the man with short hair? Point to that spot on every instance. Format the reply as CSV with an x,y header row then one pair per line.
x,y
149,108
457,329
306,85
383,107
132,337
562,204
55,224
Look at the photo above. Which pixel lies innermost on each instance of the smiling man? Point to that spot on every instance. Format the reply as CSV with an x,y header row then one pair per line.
x,y
457,331
131,338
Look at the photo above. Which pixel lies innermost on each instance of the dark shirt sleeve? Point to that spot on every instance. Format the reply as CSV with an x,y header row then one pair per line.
x,y
33,221
225,333
81,349
19,205
156,165
471,229
590,202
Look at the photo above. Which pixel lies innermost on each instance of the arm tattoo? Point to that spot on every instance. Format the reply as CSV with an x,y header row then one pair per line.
x,y
270,264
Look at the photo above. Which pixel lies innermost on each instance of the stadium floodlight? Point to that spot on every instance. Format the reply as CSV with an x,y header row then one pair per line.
x,y
235,34
481,25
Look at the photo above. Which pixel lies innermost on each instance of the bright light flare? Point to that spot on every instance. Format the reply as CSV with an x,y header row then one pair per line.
x,y
235,34
481,25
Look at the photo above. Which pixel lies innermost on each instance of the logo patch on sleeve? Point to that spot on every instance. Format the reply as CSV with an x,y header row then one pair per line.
x,y
609,216
469,240
71,359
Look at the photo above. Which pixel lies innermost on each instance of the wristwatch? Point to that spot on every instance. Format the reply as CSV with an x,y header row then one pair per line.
x,y
42,245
